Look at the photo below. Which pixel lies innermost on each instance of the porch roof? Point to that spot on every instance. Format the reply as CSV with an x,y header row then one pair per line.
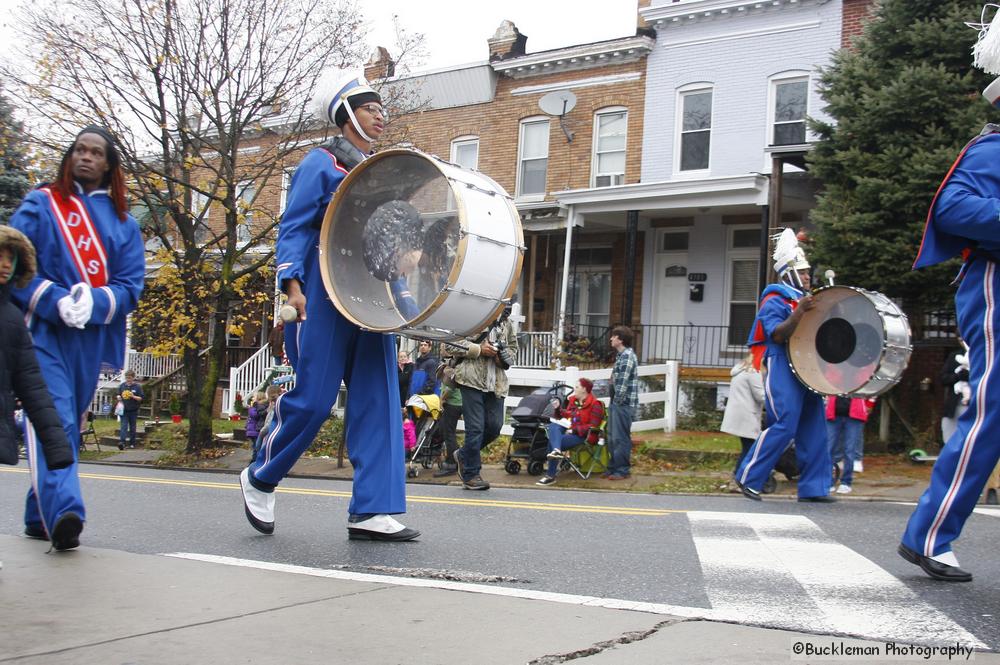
x,y
741,190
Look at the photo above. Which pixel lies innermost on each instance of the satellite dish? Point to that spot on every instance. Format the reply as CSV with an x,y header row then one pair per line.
x,y
557,103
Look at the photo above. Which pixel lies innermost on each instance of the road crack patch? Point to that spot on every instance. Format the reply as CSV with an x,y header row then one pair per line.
x,y
434,574
598,647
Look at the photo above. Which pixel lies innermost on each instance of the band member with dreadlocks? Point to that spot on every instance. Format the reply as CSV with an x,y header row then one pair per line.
x,y
793,411
324,347
91,267
962,220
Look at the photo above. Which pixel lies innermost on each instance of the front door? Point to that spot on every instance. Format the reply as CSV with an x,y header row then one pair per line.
x,y
665,339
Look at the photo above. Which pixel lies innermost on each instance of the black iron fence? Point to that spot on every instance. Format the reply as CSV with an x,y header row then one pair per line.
x,y
691,345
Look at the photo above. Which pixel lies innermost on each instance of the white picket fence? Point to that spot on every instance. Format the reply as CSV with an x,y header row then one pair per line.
x,y
538,378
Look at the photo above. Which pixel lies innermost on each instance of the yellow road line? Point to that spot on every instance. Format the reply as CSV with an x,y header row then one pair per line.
x,y
523,505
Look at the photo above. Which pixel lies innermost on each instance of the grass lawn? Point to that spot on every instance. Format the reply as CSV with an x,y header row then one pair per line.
x,y
714,442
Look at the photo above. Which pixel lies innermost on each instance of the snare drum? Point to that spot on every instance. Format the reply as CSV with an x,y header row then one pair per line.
x,y
852,343
459,229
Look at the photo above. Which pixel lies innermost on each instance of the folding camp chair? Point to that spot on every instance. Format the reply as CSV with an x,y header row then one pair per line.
x,y
89,432
592,455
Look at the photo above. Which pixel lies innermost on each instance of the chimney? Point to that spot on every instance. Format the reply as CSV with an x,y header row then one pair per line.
x,y
640,22
380,66
506,42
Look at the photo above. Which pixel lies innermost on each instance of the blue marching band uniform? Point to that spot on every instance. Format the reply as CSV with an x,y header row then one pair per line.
x,y
78,241
325,349
793,411
963,220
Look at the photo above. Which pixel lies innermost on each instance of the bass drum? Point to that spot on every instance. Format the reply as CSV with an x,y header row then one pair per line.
x,y
418,246
853,343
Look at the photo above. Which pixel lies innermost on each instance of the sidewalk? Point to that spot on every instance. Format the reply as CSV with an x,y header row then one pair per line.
x,y
94,606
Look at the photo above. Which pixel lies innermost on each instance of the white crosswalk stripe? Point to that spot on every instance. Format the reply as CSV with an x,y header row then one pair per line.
x,y
784,571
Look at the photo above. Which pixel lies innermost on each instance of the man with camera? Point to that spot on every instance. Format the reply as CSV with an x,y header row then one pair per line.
x,y
482,378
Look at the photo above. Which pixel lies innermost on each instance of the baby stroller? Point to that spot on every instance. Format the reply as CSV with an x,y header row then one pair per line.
x,y
424,411
530,440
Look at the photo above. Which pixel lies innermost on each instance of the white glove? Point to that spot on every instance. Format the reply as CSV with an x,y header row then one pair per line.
x,y
76,308
68,313
83,301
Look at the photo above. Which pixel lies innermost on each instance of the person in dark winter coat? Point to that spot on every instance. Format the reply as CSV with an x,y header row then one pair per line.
x,y
424,378
19,373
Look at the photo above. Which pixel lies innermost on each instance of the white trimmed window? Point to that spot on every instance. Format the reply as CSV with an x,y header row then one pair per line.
x,y
200,207
465,152
286,183
533,158
787,110
742,263
608,162
694,128
588,306
246,192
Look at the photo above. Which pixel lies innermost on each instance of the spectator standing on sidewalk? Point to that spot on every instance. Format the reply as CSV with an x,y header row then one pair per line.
x,y
424,378
451,411
624,403
130,393
276,342
845,429
481,376
744,406
404,369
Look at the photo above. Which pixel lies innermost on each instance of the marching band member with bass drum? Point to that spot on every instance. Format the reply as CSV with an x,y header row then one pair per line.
x,y
793,411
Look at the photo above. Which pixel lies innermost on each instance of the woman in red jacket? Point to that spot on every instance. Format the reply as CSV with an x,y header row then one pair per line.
x,y
583,412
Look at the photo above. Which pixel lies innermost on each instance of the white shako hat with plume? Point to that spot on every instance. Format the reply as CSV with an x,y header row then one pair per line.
x,y
789,258
986,52
337,95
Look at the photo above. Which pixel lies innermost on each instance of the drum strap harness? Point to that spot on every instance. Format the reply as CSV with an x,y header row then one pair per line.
x,y
345,154
758,345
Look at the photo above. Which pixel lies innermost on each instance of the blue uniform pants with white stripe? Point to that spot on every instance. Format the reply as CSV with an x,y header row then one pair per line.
x,y
969,455
793,412
70,364
325,349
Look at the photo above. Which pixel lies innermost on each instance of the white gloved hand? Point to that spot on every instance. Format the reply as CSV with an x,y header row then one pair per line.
x,y
83,301
68,313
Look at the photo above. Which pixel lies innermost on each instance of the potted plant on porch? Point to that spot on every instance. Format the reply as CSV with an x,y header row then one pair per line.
x,y
175,408
238,407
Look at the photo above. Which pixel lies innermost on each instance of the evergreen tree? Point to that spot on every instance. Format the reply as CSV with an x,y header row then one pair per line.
x,y
903,101
14,181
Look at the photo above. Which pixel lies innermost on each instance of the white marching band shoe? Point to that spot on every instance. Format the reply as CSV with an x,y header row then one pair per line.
x,y
380,527
259,505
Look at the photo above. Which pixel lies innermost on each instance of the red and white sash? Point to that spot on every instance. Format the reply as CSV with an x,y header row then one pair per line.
x,y
81,237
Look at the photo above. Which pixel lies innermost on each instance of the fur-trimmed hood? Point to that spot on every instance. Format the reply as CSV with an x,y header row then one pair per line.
x,y
25,252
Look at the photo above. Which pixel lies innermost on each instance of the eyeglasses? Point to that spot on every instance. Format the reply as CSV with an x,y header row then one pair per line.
x,y
374,109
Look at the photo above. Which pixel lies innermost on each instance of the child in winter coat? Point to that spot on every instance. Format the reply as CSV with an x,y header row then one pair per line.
x,y
255,417
19,373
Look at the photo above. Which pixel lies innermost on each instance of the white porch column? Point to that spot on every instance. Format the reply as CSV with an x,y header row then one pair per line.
x,y
570,223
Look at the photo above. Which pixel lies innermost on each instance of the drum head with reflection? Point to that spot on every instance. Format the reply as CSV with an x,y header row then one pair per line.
x,y
837,346
390,241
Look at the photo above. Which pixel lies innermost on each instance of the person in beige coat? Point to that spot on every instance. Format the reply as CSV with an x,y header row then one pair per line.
x,y
743,408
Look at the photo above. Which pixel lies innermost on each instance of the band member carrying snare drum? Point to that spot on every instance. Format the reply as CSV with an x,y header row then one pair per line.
x,y
793,411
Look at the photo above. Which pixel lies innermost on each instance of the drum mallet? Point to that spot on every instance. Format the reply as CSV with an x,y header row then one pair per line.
x,y
288,313
829,274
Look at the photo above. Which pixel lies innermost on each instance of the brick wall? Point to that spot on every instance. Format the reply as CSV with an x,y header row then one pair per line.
x,y
497,125
855,13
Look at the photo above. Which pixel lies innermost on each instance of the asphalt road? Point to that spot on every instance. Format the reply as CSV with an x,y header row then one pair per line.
x,y
828,569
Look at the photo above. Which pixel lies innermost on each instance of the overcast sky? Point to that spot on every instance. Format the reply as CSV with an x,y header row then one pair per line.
x,y
456,30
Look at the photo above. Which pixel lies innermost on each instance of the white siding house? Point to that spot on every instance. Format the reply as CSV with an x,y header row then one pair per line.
x,y
728,86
